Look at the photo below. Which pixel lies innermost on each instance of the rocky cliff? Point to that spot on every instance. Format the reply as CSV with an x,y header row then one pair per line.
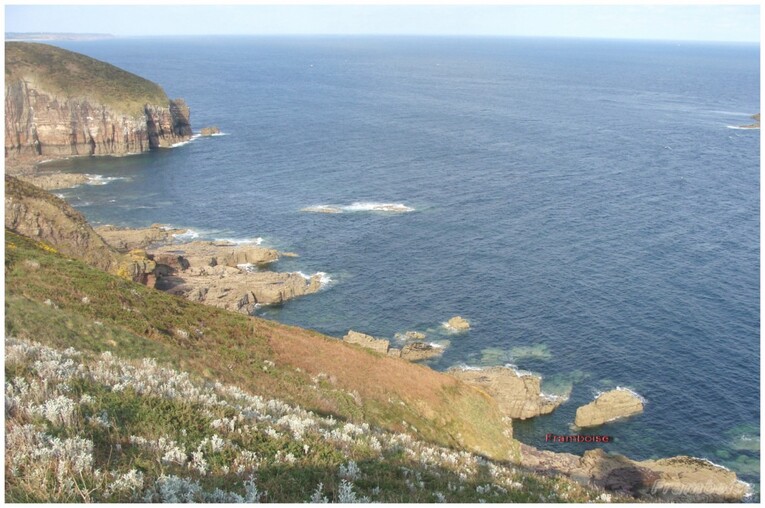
x,y
60,103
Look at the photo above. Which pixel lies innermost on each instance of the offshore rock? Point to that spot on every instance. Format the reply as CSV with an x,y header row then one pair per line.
x,y
458,324
609,406
518,395
209,131
367,341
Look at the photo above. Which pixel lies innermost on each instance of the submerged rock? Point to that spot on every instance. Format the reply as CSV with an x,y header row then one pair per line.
x,y
458,324
410,335
518,395
367,341
609,406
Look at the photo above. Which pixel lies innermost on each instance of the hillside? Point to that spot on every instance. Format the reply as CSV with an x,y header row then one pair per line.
x,y
61,103
65,73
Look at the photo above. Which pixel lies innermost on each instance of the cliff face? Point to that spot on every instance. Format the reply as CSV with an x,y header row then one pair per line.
x,y
59,103
39,215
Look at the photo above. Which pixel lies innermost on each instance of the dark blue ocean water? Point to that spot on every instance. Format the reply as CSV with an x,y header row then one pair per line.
x,y
583,203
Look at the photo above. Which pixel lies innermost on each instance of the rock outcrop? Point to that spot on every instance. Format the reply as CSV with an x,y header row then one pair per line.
x,y
417,351
458,324
235,289
59,103
367,341
677,479
518,395
755,125
37,214
127,239
609,406
204,253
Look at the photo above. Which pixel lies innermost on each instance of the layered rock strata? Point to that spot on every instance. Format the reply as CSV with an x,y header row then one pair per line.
x,y
37,214
60,104
609,406
518,395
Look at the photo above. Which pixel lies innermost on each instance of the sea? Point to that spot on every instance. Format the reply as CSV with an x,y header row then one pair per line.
x,y
590,206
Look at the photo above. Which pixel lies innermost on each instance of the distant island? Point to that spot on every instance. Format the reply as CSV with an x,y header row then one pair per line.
x,y
54,36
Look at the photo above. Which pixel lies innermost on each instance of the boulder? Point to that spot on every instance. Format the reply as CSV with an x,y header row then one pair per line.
x,y
518,395
458,324
367,341
609,406
420,351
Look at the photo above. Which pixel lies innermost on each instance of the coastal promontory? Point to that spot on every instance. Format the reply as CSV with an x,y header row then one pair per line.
x,y
59,104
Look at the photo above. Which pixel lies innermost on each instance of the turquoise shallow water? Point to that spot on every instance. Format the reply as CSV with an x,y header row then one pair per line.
x,y
584,203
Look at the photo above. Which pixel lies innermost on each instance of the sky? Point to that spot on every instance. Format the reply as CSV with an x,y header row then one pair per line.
x,y
734,23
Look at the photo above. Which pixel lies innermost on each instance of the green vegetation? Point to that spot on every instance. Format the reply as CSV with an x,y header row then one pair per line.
x,y
119,393
66,74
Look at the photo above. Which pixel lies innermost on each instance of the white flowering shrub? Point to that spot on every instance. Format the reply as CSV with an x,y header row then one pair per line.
x,y
200,442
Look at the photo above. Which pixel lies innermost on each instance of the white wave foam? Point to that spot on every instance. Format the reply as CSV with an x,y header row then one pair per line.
x,y
182,143
519,372
322,209
240,241
378,207
360,206
186,236
468,367
103,180
218,134
742,128
324,278
247,267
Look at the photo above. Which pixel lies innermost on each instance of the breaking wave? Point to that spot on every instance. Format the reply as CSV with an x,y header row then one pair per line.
x,y
360,207
103,180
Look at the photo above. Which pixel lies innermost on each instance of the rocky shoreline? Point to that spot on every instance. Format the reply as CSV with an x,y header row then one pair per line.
x,y
236,277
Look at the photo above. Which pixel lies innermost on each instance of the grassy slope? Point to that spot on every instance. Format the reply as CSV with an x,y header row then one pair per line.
x,y
94,311
68,74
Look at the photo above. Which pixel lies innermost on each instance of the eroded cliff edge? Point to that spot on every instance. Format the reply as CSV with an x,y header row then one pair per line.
x,y
59,104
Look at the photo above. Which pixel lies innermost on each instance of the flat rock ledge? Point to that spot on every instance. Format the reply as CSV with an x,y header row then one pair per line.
x,y
127,239
676,479
412,352
518,395
220,273
609,406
